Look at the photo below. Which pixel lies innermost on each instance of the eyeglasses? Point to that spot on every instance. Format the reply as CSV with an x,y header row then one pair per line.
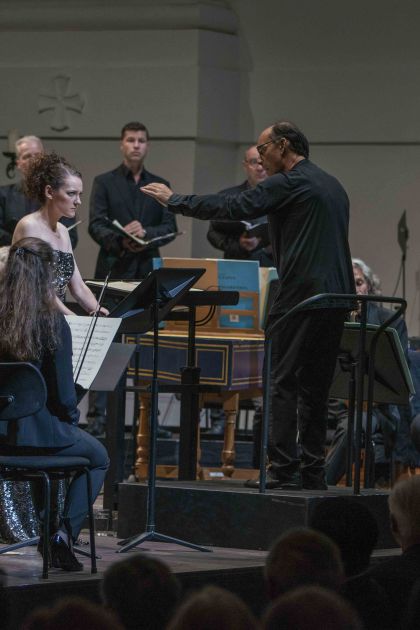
x,y
253,162
261,147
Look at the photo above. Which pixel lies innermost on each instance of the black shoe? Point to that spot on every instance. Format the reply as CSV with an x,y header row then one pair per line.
x,y
62,556
314,481
289,482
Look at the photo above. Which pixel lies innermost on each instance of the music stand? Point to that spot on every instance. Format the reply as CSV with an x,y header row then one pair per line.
x,y
147,305
402,236
391,384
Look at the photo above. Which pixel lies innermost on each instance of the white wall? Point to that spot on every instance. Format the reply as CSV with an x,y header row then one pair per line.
x,y
207,77
348,74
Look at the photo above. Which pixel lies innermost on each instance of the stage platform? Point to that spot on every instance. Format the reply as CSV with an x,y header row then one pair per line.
x,y
236,569
226,514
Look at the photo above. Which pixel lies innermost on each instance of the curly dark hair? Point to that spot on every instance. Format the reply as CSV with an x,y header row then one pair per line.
x,y
29,317
47,169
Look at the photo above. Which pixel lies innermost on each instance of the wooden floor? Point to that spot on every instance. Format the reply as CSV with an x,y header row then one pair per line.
x,y
23,566
237,569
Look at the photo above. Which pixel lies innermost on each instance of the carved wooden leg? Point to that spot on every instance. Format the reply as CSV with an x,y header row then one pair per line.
x,y
231,409
143,438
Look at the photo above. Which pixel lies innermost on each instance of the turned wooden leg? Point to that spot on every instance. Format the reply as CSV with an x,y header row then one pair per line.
x,y
143,438
231,409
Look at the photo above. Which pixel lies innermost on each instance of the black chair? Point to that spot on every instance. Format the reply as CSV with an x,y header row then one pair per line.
x,y
23,393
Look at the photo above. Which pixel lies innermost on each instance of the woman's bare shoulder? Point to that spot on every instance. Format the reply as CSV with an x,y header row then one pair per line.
x,y
27,226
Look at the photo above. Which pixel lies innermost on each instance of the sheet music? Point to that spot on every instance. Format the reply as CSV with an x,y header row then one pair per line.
x,y
103,335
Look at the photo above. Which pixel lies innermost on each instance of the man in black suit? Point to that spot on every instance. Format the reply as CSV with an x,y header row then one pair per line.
x,y
308,215
117,195
243,246
14,204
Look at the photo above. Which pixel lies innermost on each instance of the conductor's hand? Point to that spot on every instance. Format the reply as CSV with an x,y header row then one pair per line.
x,y
160,192
249,243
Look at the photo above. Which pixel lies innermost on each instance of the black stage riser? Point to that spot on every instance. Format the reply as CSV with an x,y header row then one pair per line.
x,y
223,517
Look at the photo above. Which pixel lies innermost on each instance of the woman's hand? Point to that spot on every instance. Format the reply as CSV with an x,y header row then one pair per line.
x,y
103,312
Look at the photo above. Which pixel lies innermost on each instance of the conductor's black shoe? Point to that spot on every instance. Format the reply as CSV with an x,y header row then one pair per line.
x,y
314,480
285,482
62,557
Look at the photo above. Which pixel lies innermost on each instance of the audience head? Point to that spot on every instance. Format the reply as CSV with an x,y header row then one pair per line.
x,y
212,608
311,608
404,508
27,148
367,283
72,614
141,591
255,174
352,527
47,174
299,557
28,311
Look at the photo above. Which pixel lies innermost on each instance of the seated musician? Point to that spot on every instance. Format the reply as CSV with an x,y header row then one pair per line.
x,y
390,424
33,329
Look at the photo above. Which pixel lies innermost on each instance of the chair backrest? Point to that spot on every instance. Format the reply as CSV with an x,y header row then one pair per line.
x,y
22,391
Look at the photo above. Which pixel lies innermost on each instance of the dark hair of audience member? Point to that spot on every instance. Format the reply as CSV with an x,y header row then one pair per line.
x,y
311,608
141,591
213,608
302,556
29,319
73,613
47,169
353,528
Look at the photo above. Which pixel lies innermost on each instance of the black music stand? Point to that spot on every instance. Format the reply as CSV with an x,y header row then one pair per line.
x,y
359,367
392,384
149,304
402,236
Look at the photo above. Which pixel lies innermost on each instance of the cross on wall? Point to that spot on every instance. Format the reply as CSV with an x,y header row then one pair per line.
x,y
60,102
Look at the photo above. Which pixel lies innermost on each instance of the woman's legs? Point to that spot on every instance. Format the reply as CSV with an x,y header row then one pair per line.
x,y
76,506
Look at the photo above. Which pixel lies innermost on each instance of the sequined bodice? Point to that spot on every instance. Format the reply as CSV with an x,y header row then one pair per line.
x,y
63,269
